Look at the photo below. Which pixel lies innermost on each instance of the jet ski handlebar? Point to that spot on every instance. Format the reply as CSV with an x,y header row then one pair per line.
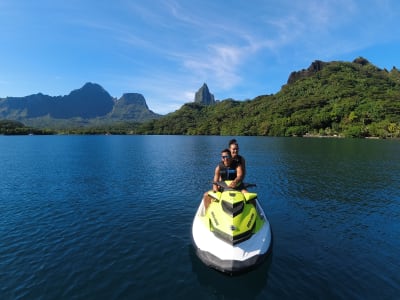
x,y
224,184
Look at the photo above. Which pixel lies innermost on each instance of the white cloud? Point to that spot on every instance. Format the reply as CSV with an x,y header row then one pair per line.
x,y
166,49
219,64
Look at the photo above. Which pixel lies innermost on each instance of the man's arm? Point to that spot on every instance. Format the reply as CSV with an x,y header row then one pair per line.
x,y
216,178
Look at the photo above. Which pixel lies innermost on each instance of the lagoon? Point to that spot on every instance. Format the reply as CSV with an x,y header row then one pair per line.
x,y
109,217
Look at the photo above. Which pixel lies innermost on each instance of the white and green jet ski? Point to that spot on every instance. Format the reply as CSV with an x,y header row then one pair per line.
x,y
233,235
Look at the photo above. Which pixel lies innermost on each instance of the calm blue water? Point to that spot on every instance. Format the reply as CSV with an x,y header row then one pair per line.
x,y
109,217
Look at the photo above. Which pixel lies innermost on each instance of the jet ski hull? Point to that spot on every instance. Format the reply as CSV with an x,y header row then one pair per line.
x,y
227,257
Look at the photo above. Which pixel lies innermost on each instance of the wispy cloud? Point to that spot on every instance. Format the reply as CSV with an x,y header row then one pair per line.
x,y
219,63
222,48
166,49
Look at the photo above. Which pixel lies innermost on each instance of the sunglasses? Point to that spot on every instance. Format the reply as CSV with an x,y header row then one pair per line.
x,y
225,156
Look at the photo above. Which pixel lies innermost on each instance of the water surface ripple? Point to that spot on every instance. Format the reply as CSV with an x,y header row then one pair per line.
x,y
109,217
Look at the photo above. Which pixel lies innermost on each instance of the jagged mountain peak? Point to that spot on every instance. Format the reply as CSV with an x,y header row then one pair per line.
x,y
204,96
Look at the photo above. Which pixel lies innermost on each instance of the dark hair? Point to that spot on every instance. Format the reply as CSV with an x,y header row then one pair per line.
x,y
227,151
232,141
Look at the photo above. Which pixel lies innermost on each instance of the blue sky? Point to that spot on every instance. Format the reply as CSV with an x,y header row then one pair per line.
x,y
167,49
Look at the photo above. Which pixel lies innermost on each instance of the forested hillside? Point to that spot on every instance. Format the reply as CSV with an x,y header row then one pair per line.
x,y
17,128
352,99
348,99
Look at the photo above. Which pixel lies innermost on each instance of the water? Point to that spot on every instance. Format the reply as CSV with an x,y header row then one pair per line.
x,y
109,217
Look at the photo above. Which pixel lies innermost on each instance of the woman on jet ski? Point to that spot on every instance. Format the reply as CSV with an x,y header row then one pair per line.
x,y
234,148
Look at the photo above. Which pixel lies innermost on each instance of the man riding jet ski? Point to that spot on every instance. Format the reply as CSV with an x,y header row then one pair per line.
x,y
227,169
230,230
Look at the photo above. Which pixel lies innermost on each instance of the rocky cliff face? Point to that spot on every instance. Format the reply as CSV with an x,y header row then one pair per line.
x,y
132,106
312,69
204,96
317,66
133,99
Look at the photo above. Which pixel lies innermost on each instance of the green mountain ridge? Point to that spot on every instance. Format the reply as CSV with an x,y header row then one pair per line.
x,y
346,99
350,99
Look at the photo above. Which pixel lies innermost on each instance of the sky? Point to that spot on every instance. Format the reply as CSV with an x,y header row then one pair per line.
x,y
166,49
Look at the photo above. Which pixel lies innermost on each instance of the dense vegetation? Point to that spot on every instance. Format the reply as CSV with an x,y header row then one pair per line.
x,y
354,99
8,127
342,99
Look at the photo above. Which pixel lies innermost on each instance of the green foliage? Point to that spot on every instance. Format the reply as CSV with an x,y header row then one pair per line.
x,y
342,99
8,127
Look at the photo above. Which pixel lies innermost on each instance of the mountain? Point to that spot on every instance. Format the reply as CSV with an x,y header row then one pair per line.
x,y
90,101
132,106
87,103
347,99
337,98
203,96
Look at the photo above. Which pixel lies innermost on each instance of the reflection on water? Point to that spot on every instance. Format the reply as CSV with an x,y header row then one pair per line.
x,y
219,285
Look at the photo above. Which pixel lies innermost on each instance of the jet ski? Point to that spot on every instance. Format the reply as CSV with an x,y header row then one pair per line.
x,y
233,234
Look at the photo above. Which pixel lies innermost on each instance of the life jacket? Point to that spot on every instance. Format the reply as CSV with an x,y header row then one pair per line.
x,y
228,173
238,160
